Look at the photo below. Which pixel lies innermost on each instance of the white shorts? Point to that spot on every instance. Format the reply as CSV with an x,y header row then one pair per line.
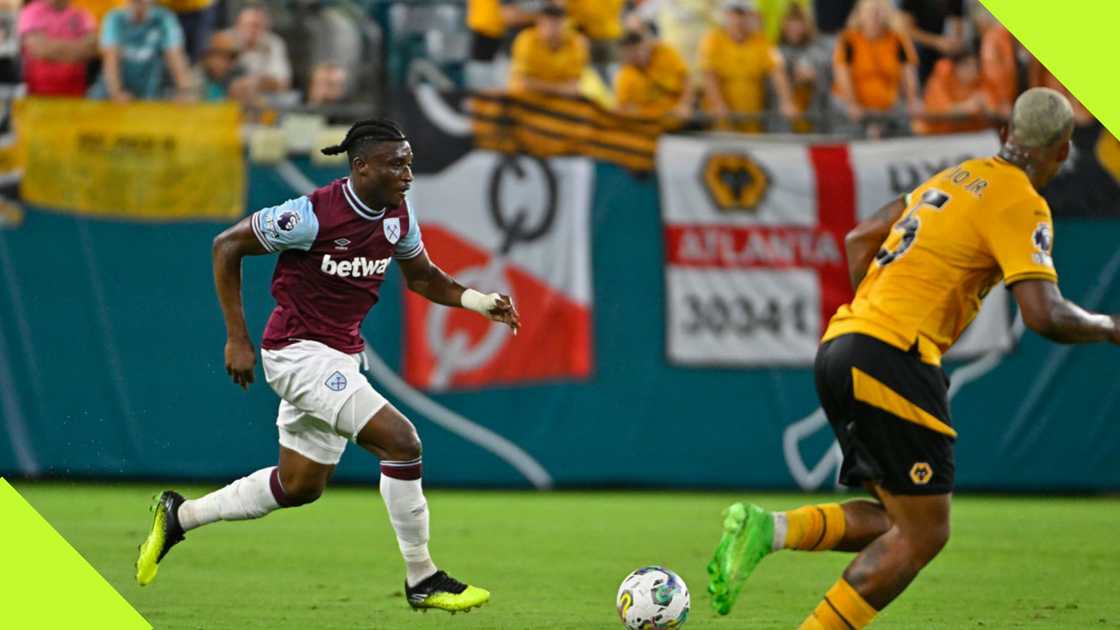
x,y
314,381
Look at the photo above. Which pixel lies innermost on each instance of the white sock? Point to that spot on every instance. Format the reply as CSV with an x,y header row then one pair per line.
x,y
781,528
248,497
408,512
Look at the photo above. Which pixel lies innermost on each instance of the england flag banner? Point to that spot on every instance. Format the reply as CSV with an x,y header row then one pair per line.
x,y
754,240
511,224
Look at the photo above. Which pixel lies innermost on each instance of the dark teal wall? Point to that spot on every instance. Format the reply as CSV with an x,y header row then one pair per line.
x,y
111,364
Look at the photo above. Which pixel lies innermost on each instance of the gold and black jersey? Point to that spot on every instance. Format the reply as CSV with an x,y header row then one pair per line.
x,y
961,231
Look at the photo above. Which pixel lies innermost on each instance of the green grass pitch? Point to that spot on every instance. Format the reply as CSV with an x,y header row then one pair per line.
x,y
554,560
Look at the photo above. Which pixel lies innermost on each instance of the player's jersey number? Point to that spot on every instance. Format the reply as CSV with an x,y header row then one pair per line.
x,y
910,224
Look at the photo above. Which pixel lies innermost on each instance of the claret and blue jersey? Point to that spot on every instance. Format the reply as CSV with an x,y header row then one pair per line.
x,y
334,253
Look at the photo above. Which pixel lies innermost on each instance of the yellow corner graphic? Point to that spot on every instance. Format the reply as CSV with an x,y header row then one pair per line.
x,y
1069,39
45,584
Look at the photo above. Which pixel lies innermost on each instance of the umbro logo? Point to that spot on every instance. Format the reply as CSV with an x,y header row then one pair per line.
x,y
341,243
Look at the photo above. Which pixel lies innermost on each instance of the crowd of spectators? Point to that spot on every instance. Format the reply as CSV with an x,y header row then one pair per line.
x,y
125,50
857,67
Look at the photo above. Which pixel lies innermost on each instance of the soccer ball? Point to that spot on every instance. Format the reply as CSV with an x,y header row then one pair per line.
x,y
653,598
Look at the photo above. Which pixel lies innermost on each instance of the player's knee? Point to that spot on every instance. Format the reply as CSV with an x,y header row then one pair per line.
x,y
936,539
302,492
404,444
923,546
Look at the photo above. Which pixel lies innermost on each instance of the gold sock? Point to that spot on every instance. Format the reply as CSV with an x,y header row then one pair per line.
x,y
814,527
811,624
842,609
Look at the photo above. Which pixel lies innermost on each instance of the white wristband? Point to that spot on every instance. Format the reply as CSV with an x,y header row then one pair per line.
x,y
479,302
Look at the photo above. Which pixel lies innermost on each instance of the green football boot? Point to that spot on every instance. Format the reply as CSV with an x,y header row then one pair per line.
x,y
165,534
748,535
443,592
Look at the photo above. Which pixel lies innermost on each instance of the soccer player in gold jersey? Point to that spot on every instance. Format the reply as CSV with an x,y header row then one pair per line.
x,y
921,266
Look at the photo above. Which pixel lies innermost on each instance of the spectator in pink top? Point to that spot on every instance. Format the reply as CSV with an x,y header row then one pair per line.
x,y
58,41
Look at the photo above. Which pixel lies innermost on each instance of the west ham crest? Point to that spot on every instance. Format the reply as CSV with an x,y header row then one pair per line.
x,y
336,382
392,229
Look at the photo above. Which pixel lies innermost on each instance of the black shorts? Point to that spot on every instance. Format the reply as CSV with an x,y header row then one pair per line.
x,y
882,403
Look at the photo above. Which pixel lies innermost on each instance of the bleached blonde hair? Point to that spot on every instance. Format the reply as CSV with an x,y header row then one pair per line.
x,y
1040,118
892,18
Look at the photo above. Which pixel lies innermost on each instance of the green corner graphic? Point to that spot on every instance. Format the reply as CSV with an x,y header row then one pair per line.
x,y
45,583
1071,41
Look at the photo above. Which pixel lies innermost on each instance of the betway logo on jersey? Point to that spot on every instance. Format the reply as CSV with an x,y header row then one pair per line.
x,y
360,267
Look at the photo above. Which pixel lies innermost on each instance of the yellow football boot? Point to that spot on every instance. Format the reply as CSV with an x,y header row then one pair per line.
x,y
165,534
443,592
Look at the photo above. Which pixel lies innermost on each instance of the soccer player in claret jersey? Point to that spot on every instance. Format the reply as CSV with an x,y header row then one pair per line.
x,y
921,265
335,248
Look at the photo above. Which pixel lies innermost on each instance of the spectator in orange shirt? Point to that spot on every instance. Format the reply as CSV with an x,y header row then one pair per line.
x,y
653,80
872,63
549,57
956,90
999,68
736,61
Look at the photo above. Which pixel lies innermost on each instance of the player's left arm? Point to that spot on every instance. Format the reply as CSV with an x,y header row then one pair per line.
x,y
1049,314
865,239
425,278
1021,240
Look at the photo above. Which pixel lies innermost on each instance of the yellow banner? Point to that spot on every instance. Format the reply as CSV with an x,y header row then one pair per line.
x,y
147,161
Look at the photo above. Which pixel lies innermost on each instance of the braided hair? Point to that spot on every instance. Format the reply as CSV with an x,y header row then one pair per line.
x,y
365,133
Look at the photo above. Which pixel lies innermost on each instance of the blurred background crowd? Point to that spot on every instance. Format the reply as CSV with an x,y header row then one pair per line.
x,y
859,68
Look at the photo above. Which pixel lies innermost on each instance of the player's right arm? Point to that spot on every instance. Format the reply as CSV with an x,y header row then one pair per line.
x,y
865,239
290,225
230,247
